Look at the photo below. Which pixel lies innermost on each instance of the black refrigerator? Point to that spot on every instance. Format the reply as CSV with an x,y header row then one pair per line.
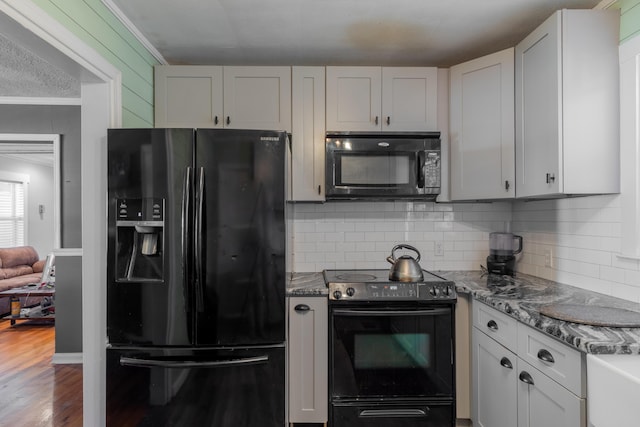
x,y
196,278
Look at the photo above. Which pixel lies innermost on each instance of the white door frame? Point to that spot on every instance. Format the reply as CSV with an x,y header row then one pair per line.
x,y
53,140
101,108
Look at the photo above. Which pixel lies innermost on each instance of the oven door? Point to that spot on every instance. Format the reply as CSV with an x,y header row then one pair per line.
x,y
391,352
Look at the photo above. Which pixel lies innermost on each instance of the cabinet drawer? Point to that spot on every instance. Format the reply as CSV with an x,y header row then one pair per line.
x,y
553,358
496,324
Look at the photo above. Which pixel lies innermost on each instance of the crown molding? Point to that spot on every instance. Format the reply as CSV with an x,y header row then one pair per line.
x,y
134,30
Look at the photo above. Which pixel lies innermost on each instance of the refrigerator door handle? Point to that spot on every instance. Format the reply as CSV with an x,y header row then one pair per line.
x,y
186,231
181,364
199,274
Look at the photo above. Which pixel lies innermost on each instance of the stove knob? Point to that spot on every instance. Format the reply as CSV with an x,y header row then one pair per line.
x,y
448,291
434,291
351,291
337,294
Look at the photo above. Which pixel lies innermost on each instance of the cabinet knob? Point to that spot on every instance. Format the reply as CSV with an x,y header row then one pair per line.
x,y
388,120
376,120
506,363
525,377
228,120
492,325
301,308
545,356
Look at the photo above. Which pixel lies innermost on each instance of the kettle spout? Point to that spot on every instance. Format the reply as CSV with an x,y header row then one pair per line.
x,y
391,259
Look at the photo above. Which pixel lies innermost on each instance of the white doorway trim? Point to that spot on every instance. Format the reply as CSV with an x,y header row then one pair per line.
x,y
101,108
53,140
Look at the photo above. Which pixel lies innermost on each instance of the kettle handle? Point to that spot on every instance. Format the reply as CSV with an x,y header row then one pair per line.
x,y
519,239
392,259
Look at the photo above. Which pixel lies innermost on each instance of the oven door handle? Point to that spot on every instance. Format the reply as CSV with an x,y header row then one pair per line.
x,y
381,313
392,413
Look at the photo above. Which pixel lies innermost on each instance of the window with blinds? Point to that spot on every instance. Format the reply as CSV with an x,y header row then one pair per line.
x,y
11,214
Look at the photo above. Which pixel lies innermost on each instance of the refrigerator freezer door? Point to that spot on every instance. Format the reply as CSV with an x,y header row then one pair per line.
x,y
206,388
148,179
240,229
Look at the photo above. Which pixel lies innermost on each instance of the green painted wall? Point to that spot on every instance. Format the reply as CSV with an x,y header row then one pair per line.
x,y
92,22
629,19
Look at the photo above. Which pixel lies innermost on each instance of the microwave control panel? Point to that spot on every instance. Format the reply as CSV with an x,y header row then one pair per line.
x,y
431,169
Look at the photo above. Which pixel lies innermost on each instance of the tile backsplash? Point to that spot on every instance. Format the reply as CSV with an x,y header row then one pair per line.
x,y
362,234
574,241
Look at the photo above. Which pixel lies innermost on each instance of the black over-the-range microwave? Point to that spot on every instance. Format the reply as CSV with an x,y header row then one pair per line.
x,y
382,166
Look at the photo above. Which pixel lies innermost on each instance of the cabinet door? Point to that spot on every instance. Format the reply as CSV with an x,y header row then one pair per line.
x,y
543,402
538,100
482,128
188,96
409,99
308,133
308,360
494,383
257,98
354,98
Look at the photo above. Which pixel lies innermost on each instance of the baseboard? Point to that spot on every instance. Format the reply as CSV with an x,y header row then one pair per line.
x,y
66,358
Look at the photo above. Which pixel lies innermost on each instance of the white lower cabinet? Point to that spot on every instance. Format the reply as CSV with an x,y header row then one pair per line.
x,y
308,360
508,391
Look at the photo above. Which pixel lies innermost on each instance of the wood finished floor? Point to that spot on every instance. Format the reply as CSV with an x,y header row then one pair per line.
x,y
34,392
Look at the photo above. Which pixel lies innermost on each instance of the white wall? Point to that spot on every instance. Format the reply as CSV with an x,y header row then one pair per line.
x,y
40,192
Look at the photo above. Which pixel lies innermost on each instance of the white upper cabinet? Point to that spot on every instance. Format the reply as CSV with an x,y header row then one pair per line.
x,y
567,106
257,98
481,128
216,97
382,99
308,134
188,96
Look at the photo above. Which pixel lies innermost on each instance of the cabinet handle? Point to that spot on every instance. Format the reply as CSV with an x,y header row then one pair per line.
x,y
388,120
215,120
376,120
319,190
545,356
507,185
550,178
228,120
301,308
492,325
506,363
526,378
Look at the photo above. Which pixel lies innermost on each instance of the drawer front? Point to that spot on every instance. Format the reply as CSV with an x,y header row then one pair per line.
x,y
496,324
553,358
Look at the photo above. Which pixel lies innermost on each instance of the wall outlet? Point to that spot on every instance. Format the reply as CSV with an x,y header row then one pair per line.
x,y
548,257
439,249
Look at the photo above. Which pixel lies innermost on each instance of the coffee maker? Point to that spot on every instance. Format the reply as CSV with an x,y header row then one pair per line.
x,y
503,247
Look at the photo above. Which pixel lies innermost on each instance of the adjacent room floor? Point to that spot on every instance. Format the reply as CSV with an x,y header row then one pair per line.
x,y
33,391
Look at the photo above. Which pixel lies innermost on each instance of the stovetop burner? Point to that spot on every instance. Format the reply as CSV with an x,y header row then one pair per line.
x,y
351,276
374,285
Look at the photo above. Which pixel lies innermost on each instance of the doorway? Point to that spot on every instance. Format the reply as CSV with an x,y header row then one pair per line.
x,y
40,154
101,108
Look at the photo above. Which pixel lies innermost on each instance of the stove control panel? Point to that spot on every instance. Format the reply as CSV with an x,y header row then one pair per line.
x,y
393,291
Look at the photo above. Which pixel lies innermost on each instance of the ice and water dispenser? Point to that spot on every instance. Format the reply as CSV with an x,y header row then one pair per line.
x,y
139,240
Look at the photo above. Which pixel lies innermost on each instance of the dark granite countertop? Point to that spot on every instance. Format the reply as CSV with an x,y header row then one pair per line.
x,y
522,298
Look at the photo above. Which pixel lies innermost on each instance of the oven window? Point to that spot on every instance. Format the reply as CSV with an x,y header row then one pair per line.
x,y
375,169
392,351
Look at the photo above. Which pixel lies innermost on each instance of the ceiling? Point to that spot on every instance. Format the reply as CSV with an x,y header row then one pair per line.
x,y
335,32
